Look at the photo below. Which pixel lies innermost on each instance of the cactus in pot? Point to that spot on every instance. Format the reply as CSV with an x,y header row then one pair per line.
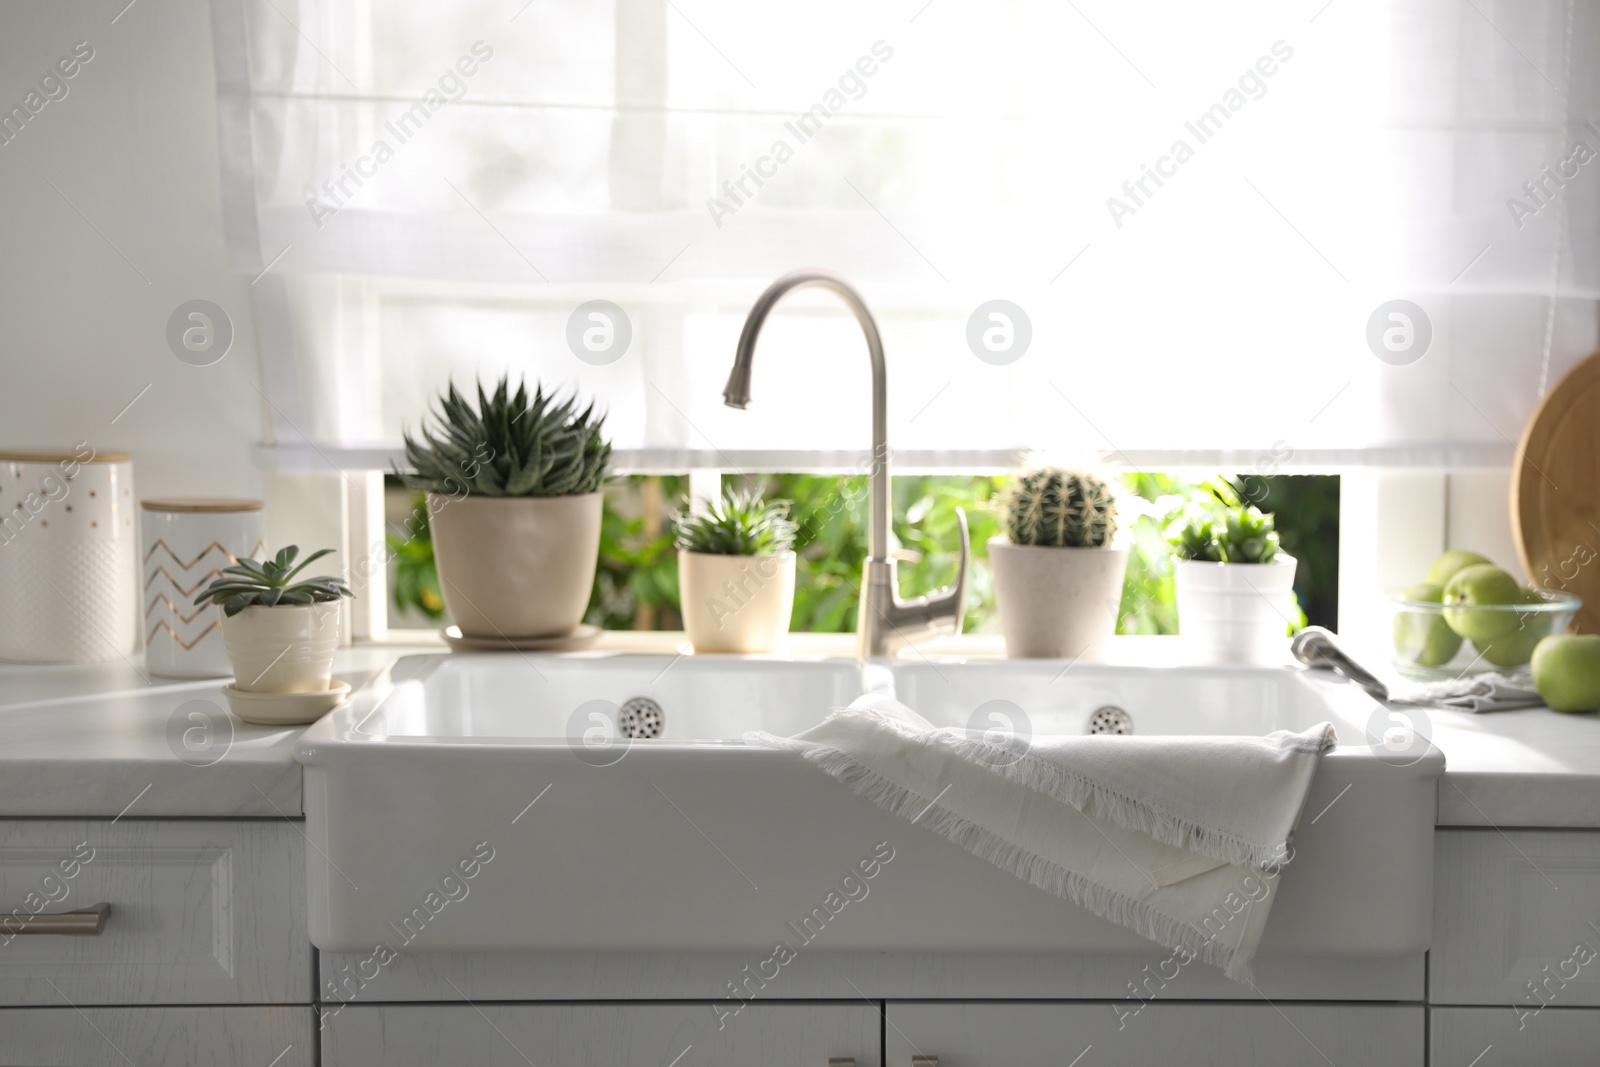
x,y
1058,577
1063,509
513,486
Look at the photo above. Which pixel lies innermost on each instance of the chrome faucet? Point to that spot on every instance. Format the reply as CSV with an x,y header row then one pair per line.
x,y
884,622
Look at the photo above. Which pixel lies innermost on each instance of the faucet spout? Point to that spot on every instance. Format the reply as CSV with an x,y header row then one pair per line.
x,y
737,392
885,621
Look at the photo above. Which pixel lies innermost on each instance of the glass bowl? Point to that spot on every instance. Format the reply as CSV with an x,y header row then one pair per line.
x,y
1433,642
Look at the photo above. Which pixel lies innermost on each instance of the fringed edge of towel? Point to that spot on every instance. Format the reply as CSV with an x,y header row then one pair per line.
x,y
1098,801
1125,911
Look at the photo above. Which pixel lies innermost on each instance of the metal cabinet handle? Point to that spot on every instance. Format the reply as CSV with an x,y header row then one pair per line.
x,y
84,922
924,1061
841,1061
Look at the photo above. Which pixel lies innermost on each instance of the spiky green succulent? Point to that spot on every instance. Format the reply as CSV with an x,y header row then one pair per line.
x,y
269,583
739,524
509,445
1224,535
1060,508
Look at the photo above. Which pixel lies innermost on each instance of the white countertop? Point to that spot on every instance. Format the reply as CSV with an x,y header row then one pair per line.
x,y
1529,768
105,740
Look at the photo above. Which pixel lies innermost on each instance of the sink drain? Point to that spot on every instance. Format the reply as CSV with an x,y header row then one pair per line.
x,y
1110,720
641,717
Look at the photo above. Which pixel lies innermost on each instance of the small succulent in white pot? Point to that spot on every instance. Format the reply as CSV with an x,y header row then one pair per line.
x,y
736,567
281,630
1235,585
514,504
1057,575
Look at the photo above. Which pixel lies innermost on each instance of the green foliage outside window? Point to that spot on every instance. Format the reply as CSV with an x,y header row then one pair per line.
x,y
636,584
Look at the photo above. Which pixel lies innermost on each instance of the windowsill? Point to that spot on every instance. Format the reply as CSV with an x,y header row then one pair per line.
x,y
1151,651
669,642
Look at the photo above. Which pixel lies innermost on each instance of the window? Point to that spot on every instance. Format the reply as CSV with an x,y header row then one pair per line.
x,y
1202,212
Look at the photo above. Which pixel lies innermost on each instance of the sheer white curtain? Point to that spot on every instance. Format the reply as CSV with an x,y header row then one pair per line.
x,y
1197,209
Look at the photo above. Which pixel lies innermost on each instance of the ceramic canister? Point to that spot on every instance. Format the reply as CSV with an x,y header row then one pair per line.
x,y
187,541
69,569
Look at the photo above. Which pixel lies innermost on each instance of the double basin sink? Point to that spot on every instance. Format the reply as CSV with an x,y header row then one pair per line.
x,y
607,802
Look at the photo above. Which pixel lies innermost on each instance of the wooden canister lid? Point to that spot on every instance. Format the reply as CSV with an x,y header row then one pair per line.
x,y
209,505
59,455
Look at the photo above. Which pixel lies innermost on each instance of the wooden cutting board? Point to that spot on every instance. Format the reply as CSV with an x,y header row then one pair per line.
x,y
1555,491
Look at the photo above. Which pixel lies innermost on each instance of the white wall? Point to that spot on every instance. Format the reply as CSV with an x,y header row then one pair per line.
x,y
1479,517
133,146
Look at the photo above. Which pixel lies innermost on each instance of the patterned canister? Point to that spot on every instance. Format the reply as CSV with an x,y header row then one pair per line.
x,y
187,542
69,571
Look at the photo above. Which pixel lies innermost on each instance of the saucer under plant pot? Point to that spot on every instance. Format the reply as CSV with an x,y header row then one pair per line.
x,y
1235,586
514,503
1057,577
281,632
736,573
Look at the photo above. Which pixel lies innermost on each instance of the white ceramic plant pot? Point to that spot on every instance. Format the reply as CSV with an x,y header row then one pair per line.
x,y
1234,612
284,649
736,603
1056,603
512,567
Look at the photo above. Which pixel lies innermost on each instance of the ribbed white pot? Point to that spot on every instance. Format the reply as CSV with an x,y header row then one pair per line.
x,y
1054,602
1234,612
736,603
284,649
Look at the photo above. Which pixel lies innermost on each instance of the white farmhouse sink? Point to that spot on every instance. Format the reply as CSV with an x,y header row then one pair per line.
x,y
694,841
524,698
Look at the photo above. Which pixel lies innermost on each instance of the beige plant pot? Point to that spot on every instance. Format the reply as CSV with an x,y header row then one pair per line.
x,y
1056,603
514,567
736,603
286,649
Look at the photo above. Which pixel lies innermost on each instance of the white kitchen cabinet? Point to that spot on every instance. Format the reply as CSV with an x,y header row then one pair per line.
x,y
601,1035
201,912
1501,1037
1516,919
1100,1035
157,1037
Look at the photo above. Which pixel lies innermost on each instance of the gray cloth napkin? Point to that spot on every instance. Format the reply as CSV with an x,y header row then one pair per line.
x,y
1477,693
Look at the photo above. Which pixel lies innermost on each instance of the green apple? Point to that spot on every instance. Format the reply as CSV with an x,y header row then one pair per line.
x,y
1566,670
1476,586
1513,648
1444,568
1421,637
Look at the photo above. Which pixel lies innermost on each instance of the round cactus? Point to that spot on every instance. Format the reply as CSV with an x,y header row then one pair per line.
x,y
1063,509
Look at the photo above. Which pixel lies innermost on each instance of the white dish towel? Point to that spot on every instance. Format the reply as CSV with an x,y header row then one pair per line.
x,y
1179,839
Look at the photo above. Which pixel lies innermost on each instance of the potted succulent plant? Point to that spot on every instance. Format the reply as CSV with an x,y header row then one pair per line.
x,y
736,568
1057,576
1235,585
281,630
514,502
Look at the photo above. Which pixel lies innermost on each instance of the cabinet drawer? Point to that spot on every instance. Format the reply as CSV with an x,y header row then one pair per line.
x,y
599,1035
1238,1035
171,1037
1549,1039
1514,919
201,912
